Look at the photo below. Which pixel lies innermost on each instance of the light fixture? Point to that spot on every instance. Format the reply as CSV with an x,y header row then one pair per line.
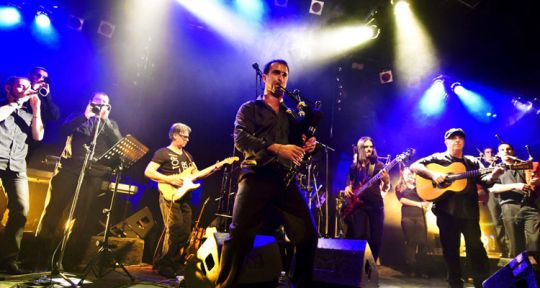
x,y
316,7
106,29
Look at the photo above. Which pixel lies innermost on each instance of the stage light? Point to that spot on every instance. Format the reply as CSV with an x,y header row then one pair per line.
x,y
316,7
106,29
474,102
9,16
43,20
250,9
75,23
386,77
433,101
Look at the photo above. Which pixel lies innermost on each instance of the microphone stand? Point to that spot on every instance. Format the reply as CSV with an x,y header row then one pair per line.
x,y
327,180
90,149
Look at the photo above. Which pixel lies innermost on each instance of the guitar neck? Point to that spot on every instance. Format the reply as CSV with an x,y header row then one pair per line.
x,y
377,176
470,174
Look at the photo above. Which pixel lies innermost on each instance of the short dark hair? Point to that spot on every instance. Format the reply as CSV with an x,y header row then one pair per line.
x,y
38,68
266,69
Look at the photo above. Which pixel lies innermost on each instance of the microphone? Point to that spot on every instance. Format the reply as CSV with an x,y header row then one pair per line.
x,y
499,139
96,108
529,153
257,69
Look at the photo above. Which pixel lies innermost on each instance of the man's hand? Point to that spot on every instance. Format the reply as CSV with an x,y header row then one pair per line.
x,y
310,144
291,152
438,177
348,191
175,180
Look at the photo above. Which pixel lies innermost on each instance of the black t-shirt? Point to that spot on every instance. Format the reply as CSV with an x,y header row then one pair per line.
x,y
171,162
360,175
465,203
408,210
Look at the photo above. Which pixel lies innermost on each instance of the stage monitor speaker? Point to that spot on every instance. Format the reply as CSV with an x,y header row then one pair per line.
x,y
344,263
136,225
263,263
522,271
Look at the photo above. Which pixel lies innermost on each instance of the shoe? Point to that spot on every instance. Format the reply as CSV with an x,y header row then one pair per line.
x,y
12,268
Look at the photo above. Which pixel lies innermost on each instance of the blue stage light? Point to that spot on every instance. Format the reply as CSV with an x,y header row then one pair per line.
x,y
9,16
43,20
433,101
250,9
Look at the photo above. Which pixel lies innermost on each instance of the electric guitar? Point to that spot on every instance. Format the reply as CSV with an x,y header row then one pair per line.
x,y
456,178
173,193
353,201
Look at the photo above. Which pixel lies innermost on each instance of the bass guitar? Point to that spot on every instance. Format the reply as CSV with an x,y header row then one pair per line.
x,y
174,193
456,178
350,203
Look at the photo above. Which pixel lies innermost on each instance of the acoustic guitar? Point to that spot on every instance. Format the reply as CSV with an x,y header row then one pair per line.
x,y
456,178
174,193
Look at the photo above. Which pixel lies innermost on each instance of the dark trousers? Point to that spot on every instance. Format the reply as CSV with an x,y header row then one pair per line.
x,y
59,198
450,230
261,194
494,207
367,222
522,226
177,221
415,232
16,187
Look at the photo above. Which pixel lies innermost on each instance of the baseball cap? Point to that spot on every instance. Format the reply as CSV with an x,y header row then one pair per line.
x,y
453,131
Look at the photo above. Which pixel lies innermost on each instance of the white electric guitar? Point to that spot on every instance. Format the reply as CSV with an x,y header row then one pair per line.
x,y
173,193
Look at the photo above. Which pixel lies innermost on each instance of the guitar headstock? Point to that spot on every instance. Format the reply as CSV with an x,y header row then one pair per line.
x,y
406,155
230,160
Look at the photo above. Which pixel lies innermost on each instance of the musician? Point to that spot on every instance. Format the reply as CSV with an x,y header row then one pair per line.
x,y
165,167
269,139
40,81
458,213
79,128
413,222
520,215
489,158
367,219
18,122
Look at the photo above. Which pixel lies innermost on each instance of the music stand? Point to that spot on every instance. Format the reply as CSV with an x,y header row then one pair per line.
x,y
122,155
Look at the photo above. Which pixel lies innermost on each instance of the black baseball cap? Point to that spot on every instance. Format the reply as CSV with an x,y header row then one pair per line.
x,y
454,131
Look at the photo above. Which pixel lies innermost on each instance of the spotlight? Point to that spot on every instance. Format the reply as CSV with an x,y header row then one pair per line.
x,y
316,7
42,19
75,23
280,3
106,29
386,77
9,16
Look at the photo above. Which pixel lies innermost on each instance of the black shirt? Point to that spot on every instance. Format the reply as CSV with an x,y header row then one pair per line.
x,y
510,177
82,130
408,210
258,126
465,203
360,175
14,137
171,162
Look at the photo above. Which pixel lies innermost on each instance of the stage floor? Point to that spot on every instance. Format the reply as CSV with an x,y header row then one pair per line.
x,y
145,277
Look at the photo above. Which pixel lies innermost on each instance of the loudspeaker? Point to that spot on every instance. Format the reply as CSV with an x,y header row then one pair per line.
x,y
263,263
128,251
136,225
522,271
344,262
